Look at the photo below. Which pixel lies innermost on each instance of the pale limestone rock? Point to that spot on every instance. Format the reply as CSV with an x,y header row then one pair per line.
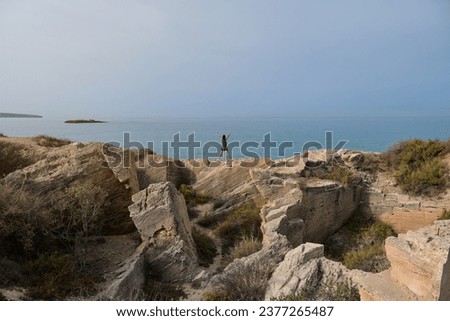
x,y
123,164
160,215
293,273
304,271
325,207
420,261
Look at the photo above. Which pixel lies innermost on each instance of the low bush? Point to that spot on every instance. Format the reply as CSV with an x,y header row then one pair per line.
x,y
418,165
48,141
191,197
445,215
11,158
245,282
360,244
206,248
340,174
23,219
245,247
209,220
362,258
55,276
243,222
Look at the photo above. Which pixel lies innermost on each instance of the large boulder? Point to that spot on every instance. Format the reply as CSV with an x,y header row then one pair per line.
x,y
306,274
420,261
160,215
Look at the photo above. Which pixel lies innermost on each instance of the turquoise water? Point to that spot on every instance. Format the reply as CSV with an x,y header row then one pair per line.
x,y
369,134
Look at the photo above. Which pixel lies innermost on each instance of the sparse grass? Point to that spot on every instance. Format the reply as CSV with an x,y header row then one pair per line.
x,y
246,282
11,159
245,247
48,141
206,248
360,244
191,197
418,165
243,222
445,215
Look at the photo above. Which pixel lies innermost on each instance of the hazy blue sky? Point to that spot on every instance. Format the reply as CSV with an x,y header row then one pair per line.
x,y
127,58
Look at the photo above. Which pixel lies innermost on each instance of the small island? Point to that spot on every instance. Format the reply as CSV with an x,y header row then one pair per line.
x,y
12,115
84,121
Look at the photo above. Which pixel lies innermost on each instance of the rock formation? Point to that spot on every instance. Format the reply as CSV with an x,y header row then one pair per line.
x,y
420,267
160,215
60,168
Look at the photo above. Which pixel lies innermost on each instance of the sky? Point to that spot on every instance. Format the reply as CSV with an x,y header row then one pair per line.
x,y
209,58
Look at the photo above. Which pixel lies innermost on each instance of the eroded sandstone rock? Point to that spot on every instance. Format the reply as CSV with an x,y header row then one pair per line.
x,y
160,215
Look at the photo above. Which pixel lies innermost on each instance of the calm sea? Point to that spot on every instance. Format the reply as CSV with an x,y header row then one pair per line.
x,y
368,134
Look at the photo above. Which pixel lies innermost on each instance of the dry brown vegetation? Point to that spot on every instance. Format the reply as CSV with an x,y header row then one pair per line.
x,y
48,141
246,282
11,158
44,247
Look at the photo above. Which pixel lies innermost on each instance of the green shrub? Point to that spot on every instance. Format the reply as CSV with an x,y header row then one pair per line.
x,y
48,141
361,258
243,222
360,244
445,215
206,248
3,135
191,197
418,165
340,174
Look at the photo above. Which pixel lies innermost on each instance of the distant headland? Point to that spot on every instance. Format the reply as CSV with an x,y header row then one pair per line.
x,y
84,121
12,115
